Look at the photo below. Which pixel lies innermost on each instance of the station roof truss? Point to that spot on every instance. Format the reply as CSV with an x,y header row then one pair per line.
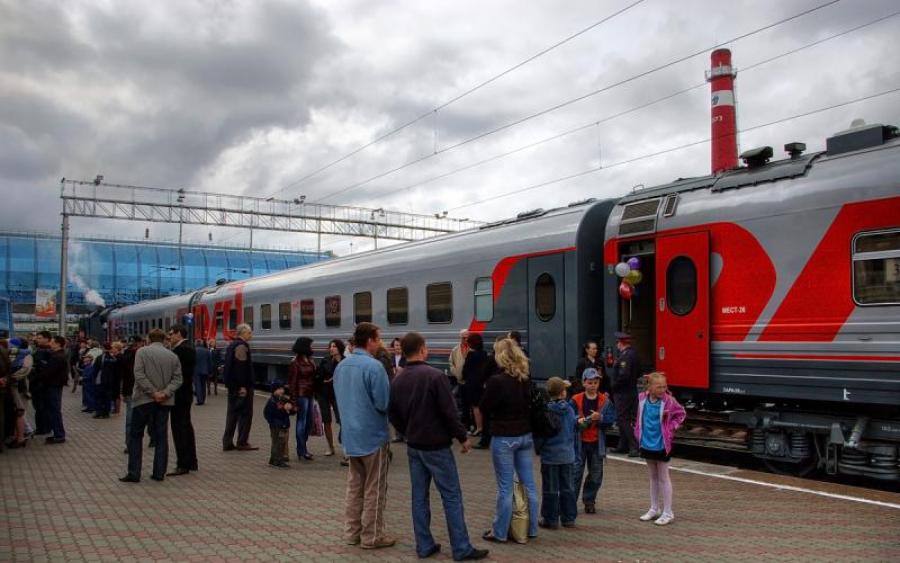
x,y
102,200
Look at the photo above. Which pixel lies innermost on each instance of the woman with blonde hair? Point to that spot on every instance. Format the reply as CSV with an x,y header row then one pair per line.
x,y
507,402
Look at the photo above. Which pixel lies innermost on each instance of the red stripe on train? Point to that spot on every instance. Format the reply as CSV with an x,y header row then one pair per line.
x,y
806,357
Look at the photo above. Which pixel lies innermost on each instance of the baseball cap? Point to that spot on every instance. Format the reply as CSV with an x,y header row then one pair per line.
x,y
590,373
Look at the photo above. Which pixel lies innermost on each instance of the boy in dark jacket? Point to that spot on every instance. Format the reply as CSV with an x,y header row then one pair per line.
x,y
278,414
558,496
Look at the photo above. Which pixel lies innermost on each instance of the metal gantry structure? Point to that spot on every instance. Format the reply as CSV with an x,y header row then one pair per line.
x,y
101,200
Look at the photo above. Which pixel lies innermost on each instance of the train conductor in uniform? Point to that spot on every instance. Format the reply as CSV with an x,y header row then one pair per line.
x,y
182,427
626,372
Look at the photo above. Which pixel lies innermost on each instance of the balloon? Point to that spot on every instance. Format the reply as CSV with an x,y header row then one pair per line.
x,y
625,290
634,277
622,269
634,263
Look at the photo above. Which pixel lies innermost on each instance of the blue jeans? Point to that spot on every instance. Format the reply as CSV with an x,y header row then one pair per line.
x,y
143,415
440,465
200,387
53,402
304,424
589,455
513,454
559,498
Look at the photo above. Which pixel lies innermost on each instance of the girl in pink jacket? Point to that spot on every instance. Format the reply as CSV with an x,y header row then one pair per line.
x,y
659,415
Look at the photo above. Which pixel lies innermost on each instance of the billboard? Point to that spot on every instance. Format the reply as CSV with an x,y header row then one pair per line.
x,y
45,303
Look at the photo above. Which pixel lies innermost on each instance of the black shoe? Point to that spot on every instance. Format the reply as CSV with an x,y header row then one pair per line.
x,y
634,453
157,478
195,467
590,508
228,447
475,554
436,548
178,471
125,451
98,415
543,524
87,410
52,440
130,479
43,432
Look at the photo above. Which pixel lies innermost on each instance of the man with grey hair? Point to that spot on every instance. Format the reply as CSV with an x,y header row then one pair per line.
x,y
238,375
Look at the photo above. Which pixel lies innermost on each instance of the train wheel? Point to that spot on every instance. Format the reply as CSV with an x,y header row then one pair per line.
x,y
801,469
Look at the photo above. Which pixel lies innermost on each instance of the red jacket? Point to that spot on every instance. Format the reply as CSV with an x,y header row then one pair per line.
x,y
591,433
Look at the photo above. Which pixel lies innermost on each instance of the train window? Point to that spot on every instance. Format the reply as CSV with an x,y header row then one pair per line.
x,y
232,319
439,302
484,299
876,268
284,316
545,297
333,310
681,284
307,313
265,316
160,325
220,320
362,307
248,316
168,324
398,306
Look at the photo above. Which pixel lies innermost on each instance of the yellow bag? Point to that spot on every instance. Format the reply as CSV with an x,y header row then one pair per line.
x,y
518,526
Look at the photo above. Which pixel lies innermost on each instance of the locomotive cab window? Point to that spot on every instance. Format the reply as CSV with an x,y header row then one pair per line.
x,y
545,297
484,299
681,285
876,268
232,319
284,316
333,310
439,302
219,321
362,307
398,306
307,313
265,316
248,316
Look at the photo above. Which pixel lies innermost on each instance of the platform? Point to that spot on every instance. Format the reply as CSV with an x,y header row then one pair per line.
x,y
64,502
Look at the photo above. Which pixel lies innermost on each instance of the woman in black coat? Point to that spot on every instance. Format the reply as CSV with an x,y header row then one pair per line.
x,y
474,377
590,358
325,389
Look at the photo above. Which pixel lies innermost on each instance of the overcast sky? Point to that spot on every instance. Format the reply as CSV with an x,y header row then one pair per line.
x,y
250,96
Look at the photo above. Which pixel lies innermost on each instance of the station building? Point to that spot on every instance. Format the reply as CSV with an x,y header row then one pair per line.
x,y
104,272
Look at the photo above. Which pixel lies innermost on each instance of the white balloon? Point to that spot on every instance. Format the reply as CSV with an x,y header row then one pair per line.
x,y
622,269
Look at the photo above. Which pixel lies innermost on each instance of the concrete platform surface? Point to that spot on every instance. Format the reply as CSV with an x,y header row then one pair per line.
x,y
64,502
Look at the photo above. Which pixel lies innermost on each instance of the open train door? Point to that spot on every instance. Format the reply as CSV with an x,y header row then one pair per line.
x,y
682,312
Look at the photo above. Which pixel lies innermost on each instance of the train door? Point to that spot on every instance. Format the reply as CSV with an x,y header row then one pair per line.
x,y
682,311
546,316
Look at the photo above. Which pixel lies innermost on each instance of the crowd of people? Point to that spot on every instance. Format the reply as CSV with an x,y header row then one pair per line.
x,y
377,396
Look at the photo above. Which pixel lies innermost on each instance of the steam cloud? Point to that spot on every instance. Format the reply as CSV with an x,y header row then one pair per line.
x,y
75,265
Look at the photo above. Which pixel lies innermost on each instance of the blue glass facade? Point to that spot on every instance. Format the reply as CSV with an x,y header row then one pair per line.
x,y
127,272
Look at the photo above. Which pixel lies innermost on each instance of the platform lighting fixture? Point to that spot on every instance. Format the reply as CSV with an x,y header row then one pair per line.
x,y
299,200
180,195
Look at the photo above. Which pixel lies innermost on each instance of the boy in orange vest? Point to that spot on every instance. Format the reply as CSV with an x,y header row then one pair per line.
x,y
594,414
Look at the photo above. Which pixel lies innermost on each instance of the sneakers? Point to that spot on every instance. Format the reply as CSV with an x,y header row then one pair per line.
x,y
650,515
385,541
665,519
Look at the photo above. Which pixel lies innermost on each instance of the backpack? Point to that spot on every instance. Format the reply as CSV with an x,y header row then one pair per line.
x,y
544,422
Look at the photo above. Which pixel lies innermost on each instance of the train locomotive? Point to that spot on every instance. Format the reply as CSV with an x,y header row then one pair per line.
x,y
770,295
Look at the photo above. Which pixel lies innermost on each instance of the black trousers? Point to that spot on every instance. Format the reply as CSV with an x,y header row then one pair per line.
x,y
239,417
41,415
183,436
155,417
626,412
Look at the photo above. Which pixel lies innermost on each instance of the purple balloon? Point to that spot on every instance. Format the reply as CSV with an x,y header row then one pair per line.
x,y
634,263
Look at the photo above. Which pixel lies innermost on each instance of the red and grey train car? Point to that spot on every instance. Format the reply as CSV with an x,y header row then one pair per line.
x,y
770,292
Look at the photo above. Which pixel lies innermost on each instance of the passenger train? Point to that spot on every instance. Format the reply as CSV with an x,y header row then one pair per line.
x,y
770,295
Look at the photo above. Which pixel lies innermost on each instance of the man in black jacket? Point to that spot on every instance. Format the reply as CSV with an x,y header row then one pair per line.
x,y
238,375
35,387
182,428
53,378
422,409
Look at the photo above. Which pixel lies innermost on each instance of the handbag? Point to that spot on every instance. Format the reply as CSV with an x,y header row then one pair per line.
x,y
518,526
318,427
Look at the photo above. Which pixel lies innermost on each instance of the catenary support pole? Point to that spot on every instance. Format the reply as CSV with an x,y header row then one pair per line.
x,y
63,273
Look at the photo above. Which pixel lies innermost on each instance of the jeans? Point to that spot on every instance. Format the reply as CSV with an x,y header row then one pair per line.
x,y
589,455
200,387
513,454
128,418
53,406
304,424
439,465
88,399
559,497
143,415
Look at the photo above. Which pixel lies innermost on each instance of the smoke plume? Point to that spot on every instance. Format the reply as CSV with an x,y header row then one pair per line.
x,y
76,264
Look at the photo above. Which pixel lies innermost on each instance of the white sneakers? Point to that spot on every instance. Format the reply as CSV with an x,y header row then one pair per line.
x,y
665,519
651,515
661,519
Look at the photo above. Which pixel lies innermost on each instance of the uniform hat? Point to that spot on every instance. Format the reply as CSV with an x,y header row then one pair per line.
x,y
590,373
622,335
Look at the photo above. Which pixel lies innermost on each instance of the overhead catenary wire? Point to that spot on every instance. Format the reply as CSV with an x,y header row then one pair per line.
x,y
577,99
595,123
460,96
668,150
